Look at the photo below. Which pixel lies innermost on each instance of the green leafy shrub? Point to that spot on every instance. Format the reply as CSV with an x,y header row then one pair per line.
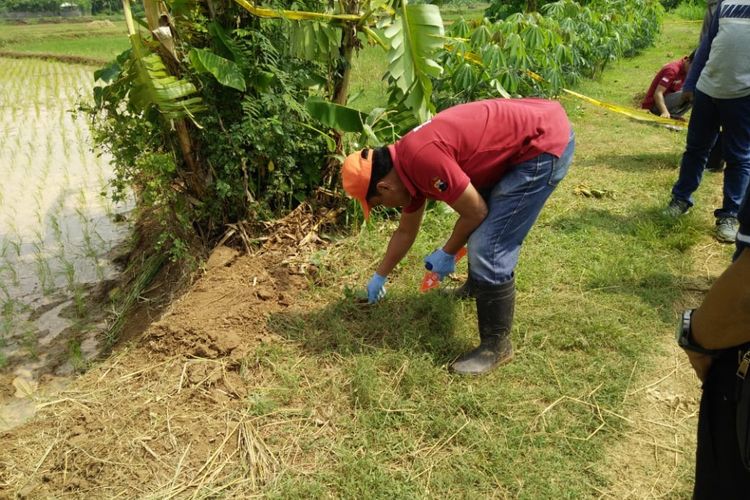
x,y
566,42
240,97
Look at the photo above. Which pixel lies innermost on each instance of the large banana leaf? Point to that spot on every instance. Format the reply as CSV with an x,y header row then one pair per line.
x,y
314,41
226,72
414,37
153,85
336,116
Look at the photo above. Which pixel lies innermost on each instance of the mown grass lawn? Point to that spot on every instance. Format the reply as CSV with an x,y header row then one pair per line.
x,y
598,283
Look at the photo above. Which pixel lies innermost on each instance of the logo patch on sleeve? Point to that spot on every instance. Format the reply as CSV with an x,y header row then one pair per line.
x,y
439,184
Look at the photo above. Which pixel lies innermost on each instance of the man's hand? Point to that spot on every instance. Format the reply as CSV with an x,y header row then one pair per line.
x,y
665,114
687,96
441,263
700,363
375,288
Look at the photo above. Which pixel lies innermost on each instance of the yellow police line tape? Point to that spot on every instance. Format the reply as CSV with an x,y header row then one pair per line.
x,y
643,116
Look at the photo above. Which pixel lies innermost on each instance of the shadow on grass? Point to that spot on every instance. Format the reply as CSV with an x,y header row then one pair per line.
x,y
424,323
638,162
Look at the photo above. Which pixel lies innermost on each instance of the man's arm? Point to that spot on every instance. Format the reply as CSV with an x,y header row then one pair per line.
x,y
401,240
723,320
659,101
699,61
472,210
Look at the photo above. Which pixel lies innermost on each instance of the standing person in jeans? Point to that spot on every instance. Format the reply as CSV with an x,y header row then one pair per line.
x,y
715,161
716,337
495,162
719,85
664,96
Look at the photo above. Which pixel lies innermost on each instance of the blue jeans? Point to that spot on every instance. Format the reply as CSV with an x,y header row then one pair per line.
x,y
733,116
514,204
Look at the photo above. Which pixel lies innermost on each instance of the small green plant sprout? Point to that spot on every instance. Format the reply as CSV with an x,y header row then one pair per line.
x,y
69,270
76,357
30,339
79,300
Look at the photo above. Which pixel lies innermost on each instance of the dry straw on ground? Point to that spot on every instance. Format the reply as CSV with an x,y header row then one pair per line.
x,y
168,416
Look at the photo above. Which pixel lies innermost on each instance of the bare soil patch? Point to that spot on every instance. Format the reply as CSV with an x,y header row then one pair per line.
x,y
167,415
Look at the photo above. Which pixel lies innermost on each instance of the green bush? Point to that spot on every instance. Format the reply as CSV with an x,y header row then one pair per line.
x,y
255,145
566,42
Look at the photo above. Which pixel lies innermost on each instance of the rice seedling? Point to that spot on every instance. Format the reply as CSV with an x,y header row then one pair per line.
x,y
30,340
54,224
76,357
69,270
49,197
10,270
79,300
43,271
16,244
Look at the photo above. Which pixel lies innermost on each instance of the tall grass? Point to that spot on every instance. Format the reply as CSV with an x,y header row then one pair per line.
x,y
692,10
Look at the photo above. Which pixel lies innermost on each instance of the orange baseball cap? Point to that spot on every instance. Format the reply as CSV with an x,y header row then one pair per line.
x,y
355,175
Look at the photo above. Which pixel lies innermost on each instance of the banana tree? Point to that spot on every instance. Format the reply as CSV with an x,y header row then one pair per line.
x,y
154,88
412,35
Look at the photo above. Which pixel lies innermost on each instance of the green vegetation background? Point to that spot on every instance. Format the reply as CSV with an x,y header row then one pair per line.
x,y
599,283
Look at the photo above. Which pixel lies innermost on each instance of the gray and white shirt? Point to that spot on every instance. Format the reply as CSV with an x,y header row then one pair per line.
x,y
721,68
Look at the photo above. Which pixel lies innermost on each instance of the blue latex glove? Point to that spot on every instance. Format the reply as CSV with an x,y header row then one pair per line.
x,y
375,288
441,263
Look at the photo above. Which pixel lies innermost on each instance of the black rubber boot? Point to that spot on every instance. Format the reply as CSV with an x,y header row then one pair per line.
x,y
465,291
462,292
495,305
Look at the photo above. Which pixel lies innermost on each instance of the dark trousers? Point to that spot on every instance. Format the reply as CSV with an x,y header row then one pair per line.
x,y
719,473
733,116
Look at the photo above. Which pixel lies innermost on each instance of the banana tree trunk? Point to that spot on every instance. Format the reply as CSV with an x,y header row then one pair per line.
x,y
344,70
341,81
194,177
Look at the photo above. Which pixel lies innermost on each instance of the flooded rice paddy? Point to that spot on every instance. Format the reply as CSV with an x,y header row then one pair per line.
x,y
57,231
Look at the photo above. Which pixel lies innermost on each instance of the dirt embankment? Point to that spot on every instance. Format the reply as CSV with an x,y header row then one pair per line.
x,y
49,56
167,415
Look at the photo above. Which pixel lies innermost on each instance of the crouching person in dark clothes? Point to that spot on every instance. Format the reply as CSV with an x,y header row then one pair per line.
x,y
716,338
495,162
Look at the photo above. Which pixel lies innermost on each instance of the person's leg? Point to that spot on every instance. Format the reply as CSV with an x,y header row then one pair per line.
x,y
701,136
514,205
735,121
715,159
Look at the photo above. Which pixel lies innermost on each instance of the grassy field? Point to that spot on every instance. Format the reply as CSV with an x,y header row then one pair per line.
x,y
100,40
599,283
356,402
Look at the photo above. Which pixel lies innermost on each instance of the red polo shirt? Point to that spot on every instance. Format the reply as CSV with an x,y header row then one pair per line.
x,y
476,142
671,76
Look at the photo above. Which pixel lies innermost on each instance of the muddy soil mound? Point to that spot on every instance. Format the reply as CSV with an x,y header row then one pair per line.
x,y
167,415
